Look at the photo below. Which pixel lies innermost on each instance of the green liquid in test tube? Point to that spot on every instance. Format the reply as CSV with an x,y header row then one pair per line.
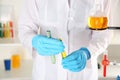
x,y
1,30
53,58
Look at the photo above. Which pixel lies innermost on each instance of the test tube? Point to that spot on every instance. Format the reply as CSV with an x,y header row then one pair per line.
x,y
4,31
63,54
11,28
8,29
53,58
1,30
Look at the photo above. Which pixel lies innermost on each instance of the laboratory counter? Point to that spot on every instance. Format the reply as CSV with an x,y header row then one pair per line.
x,y
112,72
24,72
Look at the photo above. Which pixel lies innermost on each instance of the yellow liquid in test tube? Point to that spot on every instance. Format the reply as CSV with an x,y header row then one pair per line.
x,y
8,30
15,61
63,54
97,23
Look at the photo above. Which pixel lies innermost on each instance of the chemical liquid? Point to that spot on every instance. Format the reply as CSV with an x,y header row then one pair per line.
x,y
15,61
1,30
53,58
97,23
63,54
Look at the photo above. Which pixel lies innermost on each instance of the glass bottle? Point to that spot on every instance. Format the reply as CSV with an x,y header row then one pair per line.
x,y
15,60
98,18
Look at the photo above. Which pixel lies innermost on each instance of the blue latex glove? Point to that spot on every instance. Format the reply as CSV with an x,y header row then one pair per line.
x,y
76,61
47,46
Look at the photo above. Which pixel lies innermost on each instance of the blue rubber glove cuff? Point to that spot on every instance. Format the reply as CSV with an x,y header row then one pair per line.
x,y
87,52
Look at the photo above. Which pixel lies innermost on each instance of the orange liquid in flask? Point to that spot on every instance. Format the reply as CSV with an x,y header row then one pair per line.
x,y
97,23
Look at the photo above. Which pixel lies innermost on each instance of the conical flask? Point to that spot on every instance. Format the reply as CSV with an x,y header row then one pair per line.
x,y
98,19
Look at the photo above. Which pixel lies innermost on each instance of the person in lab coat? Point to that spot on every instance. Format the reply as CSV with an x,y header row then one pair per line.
x,y
66,19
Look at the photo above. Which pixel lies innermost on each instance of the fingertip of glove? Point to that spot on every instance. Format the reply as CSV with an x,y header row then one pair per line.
x,y
65,67
34,40
86,52
74,70
63,62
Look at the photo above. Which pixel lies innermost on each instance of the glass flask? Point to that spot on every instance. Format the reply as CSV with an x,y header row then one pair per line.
x,y
98,19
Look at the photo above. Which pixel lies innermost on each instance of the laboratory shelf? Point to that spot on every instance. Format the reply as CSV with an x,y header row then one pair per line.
x,y
10,44
22,73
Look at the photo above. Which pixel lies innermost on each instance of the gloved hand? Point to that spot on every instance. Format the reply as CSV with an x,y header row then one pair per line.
x,y
47,46
76,61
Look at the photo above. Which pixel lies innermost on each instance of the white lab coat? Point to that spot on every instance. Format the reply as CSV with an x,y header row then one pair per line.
x,y
68,22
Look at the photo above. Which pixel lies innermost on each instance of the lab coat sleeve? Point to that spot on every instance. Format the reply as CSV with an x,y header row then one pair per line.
x,y
28,23
99,42
101,39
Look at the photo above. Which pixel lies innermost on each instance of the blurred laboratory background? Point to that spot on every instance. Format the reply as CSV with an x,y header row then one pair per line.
x,y
12,49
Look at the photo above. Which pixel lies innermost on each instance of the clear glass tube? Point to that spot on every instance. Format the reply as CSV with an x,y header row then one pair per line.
x,y
53,58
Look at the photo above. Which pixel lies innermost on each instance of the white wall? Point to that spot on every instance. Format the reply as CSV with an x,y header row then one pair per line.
x,y
116,12
116,20
16,5
6,50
